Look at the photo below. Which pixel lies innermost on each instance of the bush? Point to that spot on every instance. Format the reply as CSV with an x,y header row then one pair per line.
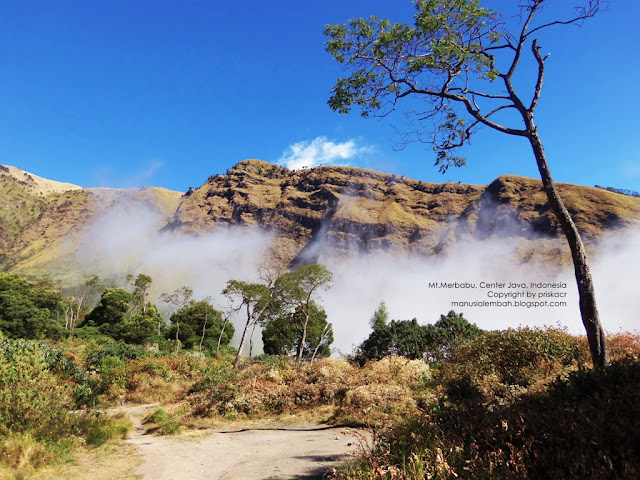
x,y
584,426
98,428
162,423
123,351
368,394
500,365
547,417
32,399
40,386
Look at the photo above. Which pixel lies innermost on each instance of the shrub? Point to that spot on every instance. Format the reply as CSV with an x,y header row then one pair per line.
x,y
366,394
584,426
32,399
40,385
502,364
162,423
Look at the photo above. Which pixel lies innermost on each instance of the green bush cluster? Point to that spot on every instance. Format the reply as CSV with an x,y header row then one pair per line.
x,y
410,339
41,388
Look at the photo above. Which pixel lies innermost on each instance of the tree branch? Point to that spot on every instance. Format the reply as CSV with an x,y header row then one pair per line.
x,y
586,12
538,88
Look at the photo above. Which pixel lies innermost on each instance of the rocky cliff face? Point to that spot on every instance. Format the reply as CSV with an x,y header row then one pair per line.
x,y
313,213
344,210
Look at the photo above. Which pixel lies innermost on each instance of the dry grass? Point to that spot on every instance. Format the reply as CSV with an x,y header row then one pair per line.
x,y
36,184
518,404
364,207
345,393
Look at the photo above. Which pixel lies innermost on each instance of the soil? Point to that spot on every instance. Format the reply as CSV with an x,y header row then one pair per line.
x,y
269,450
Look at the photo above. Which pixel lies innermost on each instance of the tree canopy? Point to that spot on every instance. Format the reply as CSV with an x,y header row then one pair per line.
x,y
281,335
200,323
410,339
296,292
28,310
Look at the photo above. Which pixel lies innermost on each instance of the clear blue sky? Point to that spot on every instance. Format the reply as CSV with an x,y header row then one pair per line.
x,y
155,92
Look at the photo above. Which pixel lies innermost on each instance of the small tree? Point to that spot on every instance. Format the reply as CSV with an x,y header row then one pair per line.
x,y
410,339
141,326
141,292
82,295
111,312
281,335
255,298
177,300
297,291
27,311
200,324
450,59
451,330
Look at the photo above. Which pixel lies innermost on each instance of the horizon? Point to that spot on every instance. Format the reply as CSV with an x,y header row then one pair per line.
x,y
142,187
154,94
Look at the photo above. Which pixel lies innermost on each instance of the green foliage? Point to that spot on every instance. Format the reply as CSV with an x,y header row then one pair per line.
x,y
281,335
111,312
32,398
28,310
582,426
515,356
141,327
450,331
98,428
380,316
162,422
140,292
198,317
412,340
111,318
255,295
388,61
120,350
296,293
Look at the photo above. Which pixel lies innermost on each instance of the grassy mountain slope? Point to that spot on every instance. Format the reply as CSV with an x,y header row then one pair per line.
x,y
42,221
344,209
315,212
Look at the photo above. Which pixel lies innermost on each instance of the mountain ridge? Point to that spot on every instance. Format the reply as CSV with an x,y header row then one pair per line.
x,y
312,213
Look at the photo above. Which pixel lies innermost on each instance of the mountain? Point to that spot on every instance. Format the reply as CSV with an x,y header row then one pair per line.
x,y
312,213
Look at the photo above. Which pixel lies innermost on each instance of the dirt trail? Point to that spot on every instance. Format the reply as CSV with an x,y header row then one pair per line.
x,y
291,452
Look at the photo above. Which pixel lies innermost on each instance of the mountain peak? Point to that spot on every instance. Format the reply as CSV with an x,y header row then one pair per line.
x,y
35,183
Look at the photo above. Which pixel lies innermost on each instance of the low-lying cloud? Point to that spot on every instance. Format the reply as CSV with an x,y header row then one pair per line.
x,y
321,151
127,240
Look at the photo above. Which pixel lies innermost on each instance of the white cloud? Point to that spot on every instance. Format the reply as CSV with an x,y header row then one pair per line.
x,y
320,151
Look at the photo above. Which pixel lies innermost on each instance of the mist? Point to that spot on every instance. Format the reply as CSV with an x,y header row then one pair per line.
x,y
127,239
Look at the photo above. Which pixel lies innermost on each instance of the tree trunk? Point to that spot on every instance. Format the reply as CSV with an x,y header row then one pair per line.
x,y
251,339
324,332
303,338
224,325
242,340
177,333
203,328
588,308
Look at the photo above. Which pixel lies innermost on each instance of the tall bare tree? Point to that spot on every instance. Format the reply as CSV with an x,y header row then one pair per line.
x,y
460,59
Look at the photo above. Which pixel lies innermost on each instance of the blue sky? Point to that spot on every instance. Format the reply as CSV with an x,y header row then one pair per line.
x,y
138,93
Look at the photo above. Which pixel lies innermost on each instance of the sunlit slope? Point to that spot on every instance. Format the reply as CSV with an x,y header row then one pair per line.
x,y
342,210
42,221
312,213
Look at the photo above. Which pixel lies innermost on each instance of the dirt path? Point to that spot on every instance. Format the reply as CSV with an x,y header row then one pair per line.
x,y
291,452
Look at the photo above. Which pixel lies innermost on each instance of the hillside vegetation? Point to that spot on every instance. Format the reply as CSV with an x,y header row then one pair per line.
x,y
503,405
314,213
